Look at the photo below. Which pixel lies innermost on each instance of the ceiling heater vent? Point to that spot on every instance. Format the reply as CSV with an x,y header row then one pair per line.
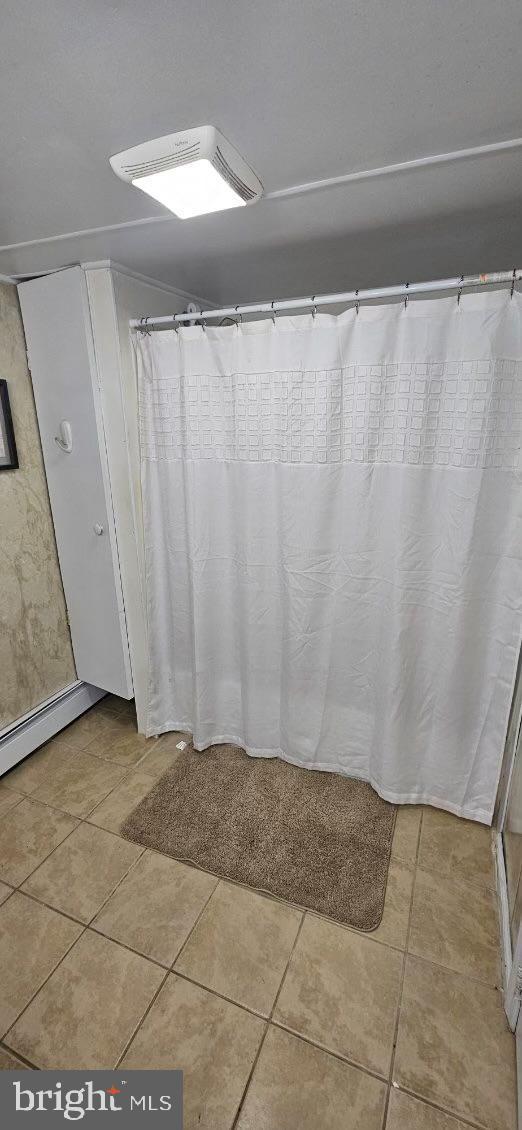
x,y
191,173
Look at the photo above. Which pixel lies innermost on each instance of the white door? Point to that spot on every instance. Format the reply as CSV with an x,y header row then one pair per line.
x,y
55,311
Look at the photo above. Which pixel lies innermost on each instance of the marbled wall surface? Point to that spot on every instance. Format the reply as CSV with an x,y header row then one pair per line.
x,y
35,649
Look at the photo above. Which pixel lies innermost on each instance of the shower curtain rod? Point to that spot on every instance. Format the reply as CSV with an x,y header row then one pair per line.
x,y
404,290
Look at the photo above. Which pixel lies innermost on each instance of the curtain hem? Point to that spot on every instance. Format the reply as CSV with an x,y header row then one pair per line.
x,y
480,815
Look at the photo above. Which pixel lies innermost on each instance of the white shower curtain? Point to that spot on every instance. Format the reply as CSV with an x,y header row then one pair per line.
x,y
333,540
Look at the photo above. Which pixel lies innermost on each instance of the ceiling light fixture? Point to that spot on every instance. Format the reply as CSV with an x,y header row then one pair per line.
x,y
191,173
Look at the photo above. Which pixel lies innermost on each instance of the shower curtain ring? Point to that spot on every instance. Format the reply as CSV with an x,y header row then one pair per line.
x,y
273,313
513,281
460,290
314,307
239,317
357,303
407,296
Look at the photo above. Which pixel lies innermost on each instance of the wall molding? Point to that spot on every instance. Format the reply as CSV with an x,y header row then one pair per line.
x,y
39,725
121,269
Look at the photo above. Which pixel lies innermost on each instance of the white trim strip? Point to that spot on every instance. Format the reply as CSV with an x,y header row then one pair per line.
x,y
491,150
401,167
506,956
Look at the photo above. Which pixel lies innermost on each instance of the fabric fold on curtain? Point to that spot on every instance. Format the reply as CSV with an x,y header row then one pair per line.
x,y
333,540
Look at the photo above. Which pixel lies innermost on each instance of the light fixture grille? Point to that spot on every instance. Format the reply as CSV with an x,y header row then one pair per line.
x,y
231,177
160,164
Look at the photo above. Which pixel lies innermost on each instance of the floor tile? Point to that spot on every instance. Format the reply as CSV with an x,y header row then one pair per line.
x,y
454,1046
94,723
114,809
9,1062
120,741
28,833
341,990
8,799
78,784
83,871
118,705
162,755
36,768
33,939
5,891
393,928
156,906
298,1087
89,1008
455,924
455,847
212,1041
241,946
406,834
407,1113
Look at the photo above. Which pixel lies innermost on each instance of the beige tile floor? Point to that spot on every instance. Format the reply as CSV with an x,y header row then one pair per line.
x,y
111,954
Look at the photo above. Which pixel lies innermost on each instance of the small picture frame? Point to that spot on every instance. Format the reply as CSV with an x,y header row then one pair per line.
x,y
8,456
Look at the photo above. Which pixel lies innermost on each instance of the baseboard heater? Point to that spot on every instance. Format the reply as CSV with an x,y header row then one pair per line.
x,y
31,731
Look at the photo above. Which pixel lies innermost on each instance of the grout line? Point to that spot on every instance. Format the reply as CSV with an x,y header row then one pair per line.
x,y
11,788
142,1019
18,886
118,884
163,981
456,878
22,1058
21,797
330,1052
453,972
222,996
403,974
268,1023
290,956
255,1061
39,989
196,922
368,934
442,1109
66,914
49,906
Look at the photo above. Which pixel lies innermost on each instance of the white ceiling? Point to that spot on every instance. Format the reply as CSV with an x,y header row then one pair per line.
x,y
305,91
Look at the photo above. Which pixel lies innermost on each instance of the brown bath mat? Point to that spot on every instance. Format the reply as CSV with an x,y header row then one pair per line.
x,y
315,839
